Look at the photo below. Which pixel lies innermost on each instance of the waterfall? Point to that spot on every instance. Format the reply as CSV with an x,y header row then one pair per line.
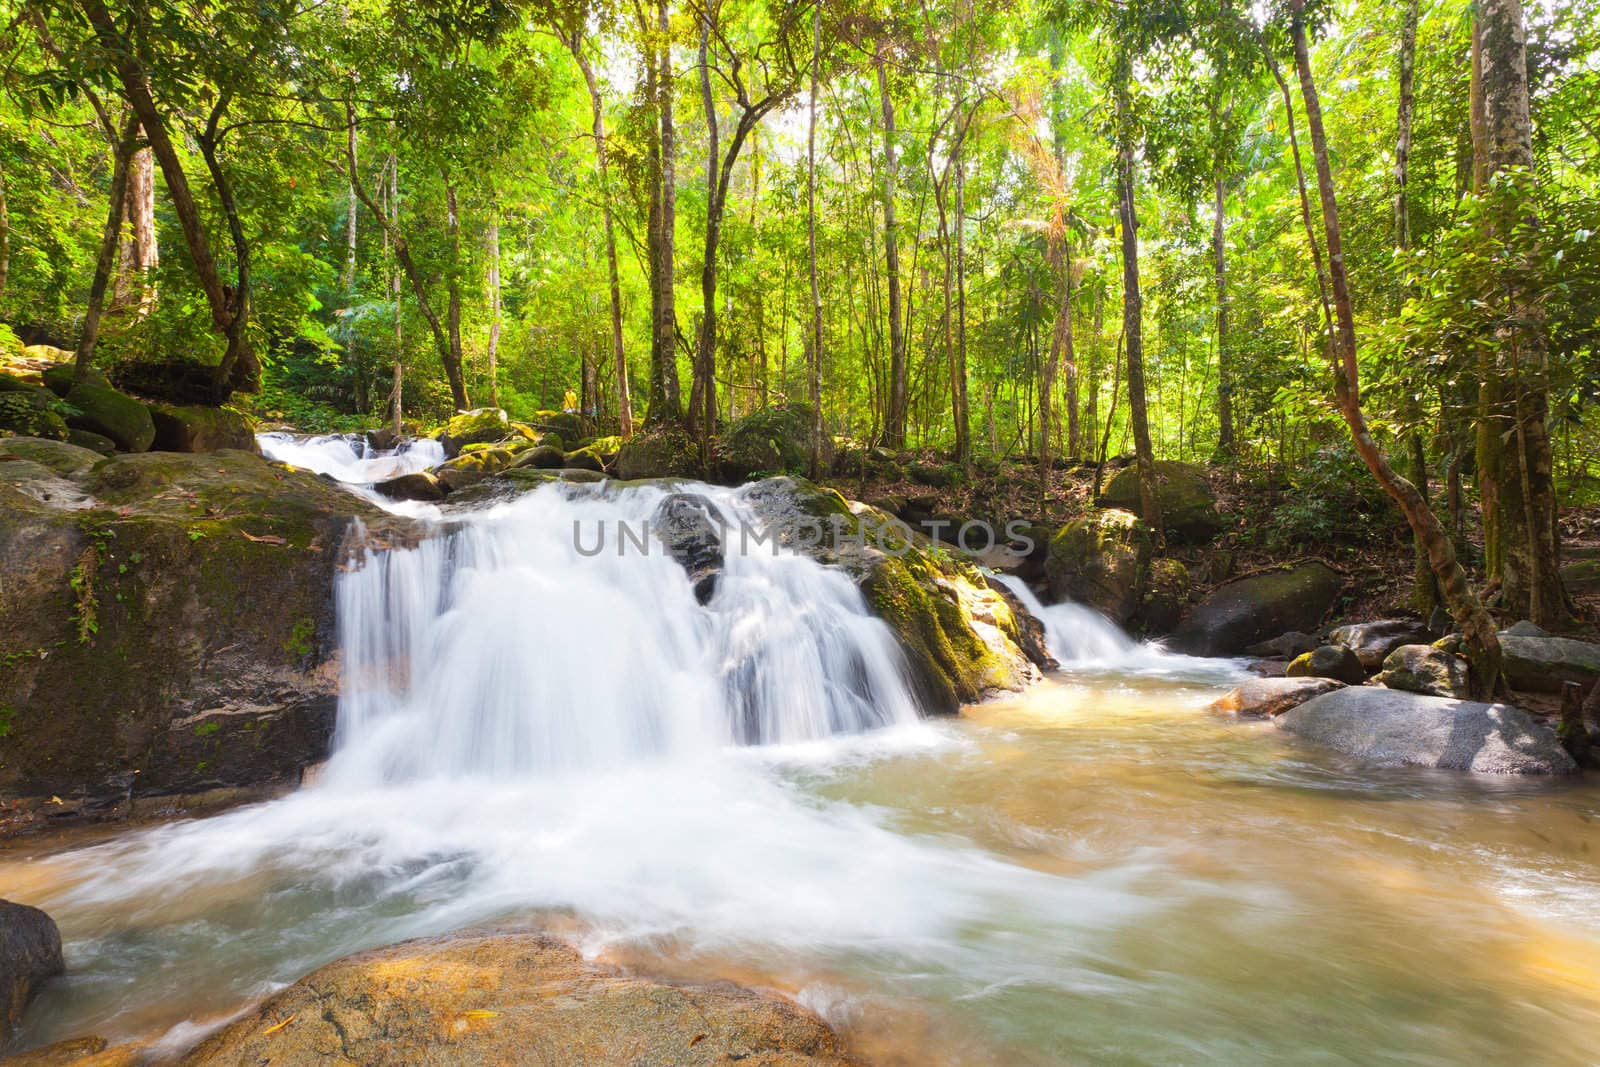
x,y
1075,633
536,637
350,457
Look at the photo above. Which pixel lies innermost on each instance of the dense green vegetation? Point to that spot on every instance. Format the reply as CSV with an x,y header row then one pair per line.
x,y
1061,228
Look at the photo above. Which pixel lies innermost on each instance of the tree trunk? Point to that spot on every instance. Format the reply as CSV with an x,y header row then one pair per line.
x,y
348,279
894,423
1530,579
1483,644
109,237
665,405
5,235
959,371
815,370
397,393
618,355
451,354
494,305
138,253
1132,311
1225,443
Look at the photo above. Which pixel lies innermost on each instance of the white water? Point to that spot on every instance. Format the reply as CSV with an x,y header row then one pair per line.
x,y
349,457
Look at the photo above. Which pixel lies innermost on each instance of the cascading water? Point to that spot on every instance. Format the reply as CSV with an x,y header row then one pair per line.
x,y
539,637
350,457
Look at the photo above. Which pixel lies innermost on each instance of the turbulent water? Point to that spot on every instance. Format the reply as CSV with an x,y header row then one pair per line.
x,y
1097,871
350,457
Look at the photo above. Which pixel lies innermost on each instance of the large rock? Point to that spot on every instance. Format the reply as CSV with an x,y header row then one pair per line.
x,y
513,998
1328,661
418,485
774,441
200,428
1248,610
690,529
961,636
26,412
1289,645
1269,697
1581,577
1373,641
1386,727
1100,559
480,426
1545,664
1188,507
103,410
658,452
1427,670
30,953
171,630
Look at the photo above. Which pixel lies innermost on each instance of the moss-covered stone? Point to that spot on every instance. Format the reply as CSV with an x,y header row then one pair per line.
x,y
199,428
62,457
1259,607
61,378
542,457
95,442
1188,507
176,634
584,459
1100,559
936,475
101,409
771,441
1165,596
658,452
472,427
25,413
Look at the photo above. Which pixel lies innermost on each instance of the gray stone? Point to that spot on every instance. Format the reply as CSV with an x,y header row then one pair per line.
x,y
1328,661
1372,641
1427,670
1247,610
30,952
1289,645
1525,629
1390,728
416,486
1544,664
1269,697
690,529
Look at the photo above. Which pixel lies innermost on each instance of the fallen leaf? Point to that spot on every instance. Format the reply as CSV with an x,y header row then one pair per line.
x,y
264,539
279,1026
479,1013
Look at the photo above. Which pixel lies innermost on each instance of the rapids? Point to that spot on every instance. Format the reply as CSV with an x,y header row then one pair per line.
x,y
1095,871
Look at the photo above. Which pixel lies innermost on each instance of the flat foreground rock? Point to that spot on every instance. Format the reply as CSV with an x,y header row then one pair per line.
x,y
1391,728
1269,697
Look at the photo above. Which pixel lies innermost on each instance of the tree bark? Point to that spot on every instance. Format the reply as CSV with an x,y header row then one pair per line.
x,y
815,369
139,252
894,423
105,263
958,376
665,405
348,278
1133,310
1483,644
451,354
494,305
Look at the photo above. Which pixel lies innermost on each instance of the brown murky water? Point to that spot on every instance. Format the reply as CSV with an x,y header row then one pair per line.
x,y
1094,872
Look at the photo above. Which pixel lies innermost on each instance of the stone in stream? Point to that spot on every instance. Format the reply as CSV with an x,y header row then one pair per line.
x,y
1100,559
1328,661
1287,646
690,529
1255,608
1390,728
1270,697
1427,670
1372,641
513,998
30,953
419,485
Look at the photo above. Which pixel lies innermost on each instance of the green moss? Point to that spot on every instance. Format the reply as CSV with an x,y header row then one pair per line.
x,y
206,729
300,638
8,716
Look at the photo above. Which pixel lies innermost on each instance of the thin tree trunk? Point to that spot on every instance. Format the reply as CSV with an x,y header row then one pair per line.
x,y
139,253
1483,643
5,235
453,370
894,426
1225,444
348,280
105,263
494,305
815,369
665,405
1132,311
397,393
959,373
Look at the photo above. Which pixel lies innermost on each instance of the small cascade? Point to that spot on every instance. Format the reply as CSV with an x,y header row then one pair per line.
x,y
533,638
1077,634
350,457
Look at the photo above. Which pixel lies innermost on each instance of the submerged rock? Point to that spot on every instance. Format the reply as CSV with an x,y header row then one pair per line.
x,y
1387,727
30,953
1372,641
688,527
1100,559
1269,697
170,630
1188,506
1427,670
1328,661
1248,610
513,998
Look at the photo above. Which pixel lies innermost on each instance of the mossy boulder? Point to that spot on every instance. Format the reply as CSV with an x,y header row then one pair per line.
x,y
584,459
62,457
1581,577
95,442
508,998
1164,597
1545,664
1100,559
171,631
101,409
471,467
1188,506
772,441
60,379
567,425
658,452
27,413
473,427
419,485
1427,670
936,475
542,457
199,428
1257,607
962,637
1328,661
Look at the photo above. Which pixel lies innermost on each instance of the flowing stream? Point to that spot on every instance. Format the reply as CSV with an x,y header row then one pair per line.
x,y
1095,871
